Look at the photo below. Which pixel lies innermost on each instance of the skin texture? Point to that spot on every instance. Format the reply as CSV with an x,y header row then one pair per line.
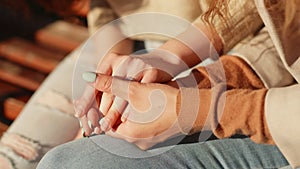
x,y
154,108
111,106
144,134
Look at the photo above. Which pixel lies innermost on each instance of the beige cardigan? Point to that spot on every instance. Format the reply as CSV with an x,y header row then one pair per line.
x,y
275,62
283,104
104,11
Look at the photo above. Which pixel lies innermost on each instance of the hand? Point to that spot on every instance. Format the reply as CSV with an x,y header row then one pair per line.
x,y
156,66
85,106
138,68
152,118
87,112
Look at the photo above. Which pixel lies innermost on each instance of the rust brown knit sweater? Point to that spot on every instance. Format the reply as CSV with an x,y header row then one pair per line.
x,y
242,110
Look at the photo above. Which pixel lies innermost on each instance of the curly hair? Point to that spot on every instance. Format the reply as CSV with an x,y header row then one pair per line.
x,y
288,7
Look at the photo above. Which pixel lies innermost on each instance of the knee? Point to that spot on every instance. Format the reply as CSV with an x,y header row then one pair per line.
x,y
68,155
55,158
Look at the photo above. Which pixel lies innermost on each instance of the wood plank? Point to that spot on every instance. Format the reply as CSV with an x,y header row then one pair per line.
x,y
28,54
12,99
12,108
20,76
3,128
62,35
6,89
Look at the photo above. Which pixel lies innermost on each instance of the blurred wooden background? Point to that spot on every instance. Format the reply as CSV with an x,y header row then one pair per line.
x,y
30,48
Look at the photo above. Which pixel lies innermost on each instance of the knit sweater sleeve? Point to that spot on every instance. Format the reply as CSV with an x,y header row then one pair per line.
x,y
243,20
227,109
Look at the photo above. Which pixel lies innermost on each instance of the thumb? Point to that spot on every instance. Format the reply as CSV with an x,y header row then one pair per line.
x,y
109,84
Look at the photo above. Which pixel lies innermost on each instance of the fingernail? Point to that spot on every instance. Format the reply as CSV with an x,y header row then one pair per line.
x,y
80,124
97,130
123,118
104,124
90,124
101,121
89,76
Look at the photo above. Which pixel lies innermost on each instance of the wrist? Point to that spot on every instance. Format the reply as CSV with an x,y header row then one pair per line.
x,y
196,44
184,53
124,47
165,61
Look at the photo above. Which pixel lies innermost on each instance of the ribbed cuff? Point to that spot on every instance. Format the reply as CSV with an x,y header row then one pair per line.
x,y
192,109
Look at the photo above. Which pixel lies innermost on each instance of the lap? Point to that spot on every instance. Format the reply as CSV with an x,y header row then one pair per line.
x,y
105,152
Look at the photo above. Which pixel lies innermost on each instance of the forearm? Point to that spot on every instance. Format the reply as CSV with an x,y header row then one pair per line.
x,y
195,44
220,34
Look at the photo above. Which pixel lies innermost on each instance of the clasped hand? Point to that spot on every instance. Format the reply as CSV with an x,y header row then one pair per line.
x,y
138,111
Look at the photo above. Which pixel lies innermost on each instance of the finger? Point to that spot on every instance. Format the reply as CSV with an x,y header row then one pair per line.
x,y
85,126
106,102
93,117
106,126
125,114
148,77
121,104
97,130
106,98
98,96
113,85
114,113
82,104
105,67
107,122
105,64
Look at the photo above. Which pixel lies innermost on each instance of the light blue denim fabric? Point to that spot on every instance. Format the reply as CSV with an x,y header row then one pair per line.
x,y
88,153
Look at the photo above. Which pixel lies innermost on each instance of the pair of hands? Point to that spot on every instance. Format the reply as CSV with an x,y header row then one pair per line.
x,y
138,111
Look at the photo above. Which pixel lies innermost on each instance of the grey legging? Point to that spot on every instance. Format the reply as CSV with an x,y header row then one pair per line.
x,y
88,153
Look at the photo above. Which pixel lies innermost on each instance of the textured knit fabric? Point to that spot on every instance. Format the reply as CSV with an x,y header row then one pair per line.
x,y
239,109
243,20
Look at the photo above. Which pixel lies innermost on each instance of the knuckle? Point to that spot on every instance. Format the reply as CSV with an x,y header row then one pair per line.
x,y
152,74
109,118
112,115
153,71
134,89
106,85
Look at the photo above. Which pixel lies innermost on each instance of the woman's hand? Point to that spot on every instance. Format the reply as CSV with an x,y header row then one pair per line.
x,y
156,66
141,68
152,118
